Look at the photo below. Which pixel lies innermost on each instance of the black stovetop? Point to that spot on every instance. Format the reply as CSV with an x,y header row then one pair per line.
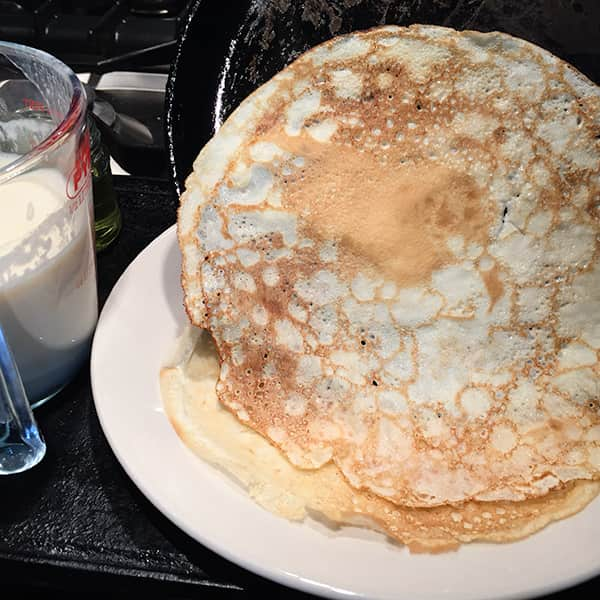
x,y
107,36
98,35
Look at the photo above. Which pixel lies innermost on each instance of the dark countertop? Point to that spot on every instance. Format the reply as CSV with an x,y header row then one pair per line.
x,y
76,521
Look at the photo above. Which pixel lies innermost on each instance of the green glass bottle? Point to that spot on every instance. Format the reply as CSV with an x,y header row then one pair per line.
x,y
107,214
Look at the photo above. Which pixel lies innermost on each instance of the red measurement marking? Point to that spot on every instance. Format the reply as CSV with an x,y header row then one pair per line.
x,y
32,104
80,176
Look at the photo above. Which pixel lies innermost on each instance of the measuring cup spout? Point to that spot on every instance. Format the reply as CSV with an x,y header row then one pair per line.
x,y
21,444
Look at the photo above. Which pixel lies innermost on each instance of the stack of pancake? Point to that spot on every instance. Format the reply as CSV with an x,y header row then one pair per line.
x,y
393,247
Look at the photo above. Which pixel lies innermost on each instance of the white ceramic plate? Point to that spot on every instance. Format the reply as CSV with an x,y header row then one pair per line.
x,y
136,331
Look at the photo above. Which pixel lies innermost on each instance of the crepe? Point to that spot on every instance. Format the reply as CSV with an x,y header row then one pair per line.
x,y
216,436
394,243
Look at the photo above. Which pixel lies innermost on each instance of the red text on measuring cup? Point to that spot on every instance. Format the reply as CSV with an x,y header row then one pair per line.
x,y
79,178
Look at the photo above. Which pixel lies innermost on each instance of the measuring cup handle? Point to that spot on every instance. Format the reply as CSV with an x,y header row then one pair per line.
x,y
21,445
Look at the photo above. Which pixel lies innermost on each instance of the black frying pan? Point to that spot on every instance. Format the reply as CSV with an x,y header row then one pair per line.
x,y
229,48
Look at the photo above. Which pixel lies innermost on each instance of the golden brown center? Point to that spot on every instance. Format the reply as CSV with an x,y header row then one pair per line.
x,y
398,217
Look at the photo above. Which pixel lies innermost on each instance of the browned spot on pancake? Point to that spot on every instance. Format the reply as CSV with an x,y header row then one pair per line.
x,y
499,135
397,218
552,198
270,119
493,284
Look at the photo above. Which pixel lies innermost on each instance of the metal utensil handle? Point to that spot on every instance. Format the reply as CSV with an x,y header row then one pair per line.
x,y
21,445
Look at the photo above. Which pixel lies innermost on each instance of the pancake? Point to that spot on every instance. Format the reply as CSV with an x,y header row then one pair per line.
x,y
216,436
394,243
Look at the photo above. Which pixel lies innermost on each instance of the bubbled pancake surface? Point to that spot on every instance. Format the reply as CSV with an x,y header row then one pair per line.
x,y
216,436
394,244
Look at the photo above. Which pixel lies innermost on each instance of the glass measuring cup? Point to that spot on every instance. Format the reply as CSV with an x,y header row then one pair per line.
x,y
48,297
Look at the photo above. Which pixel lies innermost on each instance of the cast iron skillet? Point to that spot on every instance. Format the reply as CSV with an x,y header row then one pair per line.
x,y
228,49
